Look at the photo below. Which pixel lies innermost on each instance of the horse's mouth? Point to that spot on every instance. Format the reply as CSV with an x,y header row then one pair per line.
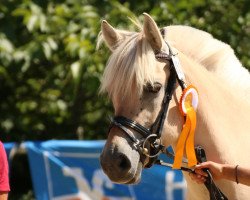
x,y
137,176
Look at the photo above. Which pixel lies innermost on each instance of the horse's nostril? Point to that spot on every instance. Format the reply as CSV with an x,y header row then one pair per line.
x,y
124,163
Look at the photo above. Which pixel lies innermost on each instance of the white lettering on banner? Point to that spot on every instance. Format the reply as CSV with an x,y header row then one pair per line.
x,y
81,182
171,185
99,180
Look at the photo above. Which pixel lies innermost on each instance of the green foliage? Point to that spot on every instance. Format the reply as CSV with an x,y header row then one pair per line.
x,y
50,70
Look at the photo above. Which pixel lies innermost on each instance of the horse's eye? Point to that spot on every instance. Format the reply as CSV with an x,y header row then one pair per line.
x,y
153,88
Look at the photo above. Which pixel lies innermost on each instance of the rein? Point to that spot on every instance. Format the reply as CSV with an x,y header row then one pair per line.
x,y
152,135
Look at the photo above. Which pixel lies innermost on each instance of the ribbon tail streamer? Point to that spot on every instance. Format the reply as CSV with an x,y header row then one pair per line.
x,y
191,156
181,144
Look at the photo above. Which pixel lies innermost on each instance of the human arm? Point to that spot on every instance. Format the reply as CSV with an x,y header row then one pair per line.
x,y
222,171
3,195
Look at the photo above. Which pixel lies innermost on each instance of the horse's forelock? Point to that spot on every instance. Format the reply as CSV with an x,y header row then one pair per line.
x,y
130,66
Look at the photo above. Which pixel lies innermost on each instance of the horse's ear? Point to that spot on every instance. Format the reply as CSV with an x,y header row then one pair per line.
x,y
110,35
152,33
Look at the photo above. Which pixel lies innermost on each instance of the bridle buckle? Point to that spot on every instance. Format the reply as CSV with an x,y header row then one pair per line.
x,y
157,142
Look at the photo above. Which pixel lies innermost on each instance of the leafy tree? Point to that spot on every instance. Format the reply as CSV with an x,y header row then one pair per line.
x,y
50,70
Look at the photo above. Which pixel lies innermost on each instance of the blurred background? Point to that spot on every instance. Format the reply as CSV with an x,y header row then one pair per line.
x,y
50,69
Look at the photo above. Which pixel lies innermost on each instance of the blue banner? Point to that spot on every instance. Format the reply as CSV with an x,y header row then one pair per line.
x,y
70,170
8,146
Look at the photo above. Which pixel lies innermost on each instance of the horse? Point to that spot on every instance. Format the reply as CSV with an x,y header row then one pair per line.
x,y
135,81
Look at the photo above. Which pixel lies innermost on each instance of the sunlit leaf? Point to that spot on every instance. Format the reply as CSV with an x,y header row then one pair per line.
x,y
75,69
32,22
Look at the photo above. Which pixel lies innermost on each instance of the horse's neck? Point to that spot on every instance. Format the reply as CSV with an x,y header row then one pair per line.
x,y
216,56
221,117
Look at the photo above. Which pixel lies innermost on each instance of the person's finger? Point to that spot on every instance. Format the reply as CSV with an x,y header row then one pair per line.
x,y
200,180
201,172
197,178
206,164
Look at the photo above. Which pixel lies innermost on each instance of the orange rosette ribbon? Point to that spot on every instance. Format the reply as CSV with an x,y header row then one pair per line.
x,y
188,105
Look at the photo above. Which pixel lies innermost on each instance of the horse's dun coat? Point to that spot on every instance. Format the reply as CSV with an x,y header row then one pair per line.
x,y
223,125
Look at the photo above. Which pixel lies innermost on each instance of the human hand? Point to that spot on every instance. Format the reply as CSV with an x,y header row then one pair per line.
x,y
200,176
